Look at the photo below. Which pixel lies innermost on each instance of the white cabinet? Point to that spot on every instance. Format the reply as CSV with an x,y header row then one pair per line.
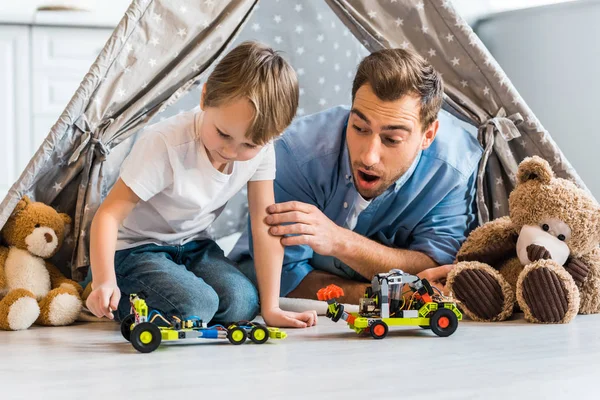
x,y
61,57
15,109
41,67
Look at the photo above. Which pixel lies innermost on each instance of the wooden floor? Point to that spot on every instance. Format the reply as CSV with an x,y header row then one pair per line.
x,y
507,360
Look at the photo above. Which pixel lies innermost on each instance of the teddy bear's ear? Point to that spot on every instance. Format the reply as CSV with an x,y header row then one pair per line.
x,y
534,168
22,204
67,220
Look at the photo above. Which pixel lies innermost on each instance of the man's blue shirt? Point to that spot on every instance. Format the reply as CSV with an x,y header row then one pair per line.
x,y
430,209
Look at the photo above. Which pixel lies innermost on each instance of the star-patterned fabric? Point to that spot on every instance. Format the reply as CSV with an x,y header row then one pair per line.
x,y
162,50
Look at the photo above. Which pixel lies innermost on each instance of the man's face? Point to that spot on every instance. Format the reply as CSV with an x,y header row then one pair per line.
x,y
384,138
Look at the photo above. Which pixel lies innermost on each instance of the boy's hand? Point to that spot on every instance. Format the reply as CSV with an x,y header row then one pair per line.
x,y
278,318
104,299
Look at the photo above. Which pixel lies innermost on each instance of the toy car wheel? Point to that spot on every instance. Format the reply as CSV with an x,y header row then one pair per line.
x,y
378,329
443,322
126,326
259,334
237,335
146,337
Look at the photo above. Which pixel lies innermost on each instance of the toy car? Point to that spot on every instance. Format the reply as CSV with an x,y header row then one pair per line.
x,y
145,336
384,305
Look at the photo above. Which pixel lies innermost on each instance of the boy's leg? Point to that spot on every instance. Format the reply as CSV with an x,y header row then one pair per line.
x,y
168,286
238,297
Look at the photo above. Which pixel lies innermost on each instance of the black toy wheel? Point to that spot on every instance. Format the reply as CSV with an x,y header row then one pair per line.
x,y
259,334
146,337
338,314
378,329
443,322
237,335
126,326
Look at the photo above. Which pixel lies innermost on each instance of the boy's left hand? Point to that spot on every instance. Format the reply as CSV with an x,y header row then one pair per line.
x,y
278,318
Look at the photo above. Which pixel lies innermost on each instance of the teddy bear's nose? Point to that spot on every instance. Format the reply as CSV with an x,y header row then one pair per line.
x,y
48,237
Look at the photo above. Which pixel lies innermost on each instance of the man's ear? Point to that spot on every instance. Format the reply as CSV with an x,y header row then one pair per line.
x,y
430,134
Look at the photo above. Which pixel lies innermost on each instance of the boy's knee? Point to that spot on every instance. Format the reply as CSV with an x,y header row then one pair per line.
x,y
240,302
203,304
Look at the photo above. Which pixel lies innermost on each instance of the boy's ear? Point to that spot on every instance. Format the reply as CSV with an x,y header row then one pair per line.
x,y
203,96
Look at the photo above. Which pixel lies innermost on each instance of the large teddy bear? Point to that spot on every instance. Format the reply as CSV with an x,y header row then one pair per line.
x,y
544,257
31,288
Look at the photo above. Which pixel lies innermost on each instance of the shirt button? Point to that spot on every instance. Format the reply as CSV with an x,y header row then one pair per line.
x,y
347,176
345,205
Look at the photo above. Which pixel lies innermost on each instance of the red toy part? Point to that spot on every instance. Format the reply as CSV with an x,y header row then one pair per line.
x,y
330,292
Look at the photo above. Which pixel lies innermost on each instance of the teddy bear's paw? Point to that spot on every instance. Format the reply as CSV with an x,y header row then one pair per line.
x,y
482,292
547,293
60,307
18,310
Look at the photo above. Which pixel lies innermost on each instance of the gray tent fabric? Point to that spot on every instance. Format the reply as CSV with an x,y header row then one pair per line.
x,y
161,49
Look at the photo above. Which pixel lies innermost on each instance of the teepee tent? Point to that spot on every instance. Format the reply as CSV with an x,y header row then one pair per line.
x,y
162,49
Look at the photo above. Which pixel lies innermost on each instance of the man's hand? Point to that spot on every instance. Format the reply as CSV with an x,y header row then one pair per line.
x,y
310,225
278,318
436,276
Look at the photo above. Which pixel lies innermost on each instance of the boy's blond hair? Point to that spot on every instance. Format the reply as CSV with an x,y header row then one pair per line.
x,y
256,72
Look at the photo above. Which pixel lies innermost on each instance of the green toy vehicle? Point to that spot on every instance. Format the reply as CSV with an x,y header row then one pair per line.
x,y
384,305
145,335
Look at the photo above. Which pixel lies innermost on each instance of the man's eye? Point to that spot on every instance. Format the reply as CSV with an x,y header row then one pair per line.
x,y
392,141
359,129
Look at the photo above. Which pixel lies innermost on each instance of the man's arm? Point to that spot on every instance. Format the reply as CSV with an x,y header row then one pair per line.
x,y
435,240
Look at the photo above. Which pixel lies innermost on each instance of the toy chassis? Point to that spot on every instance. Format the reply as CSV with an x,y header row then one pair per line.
x,y
384,305
145,336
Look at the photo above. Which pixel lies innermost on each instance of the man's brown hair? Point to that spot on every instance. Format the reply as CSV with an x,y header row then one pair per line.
x,y
394,73
256,72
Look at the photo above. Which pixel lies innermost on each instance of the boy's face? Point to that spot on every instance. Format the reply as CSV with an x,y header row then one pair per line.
x,y
223,132
384,137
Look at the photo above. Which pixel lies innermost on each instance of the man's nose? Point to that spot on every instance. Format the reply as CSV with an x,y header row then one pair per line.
x,y
371,156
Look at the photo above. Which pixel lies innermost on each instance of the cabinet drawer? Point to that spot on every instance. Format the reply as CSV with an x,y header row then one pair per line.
x,y
53,90
67,48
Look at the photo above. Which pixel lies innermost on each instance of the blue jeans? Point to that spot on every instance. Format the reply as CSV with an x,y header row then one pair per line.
x,y
195,279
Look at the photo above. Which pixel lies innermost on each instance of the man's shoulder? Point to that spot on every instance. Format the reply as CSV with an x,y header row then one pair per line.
x,y
315,136
455,147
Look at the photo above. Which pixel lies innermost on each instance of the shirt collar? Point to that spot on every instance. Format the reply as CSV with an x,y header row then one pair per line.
x,y
347,167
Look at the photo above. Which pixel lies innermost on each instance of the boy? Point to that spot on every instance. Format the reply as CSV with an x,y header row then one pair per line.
x,y
176,181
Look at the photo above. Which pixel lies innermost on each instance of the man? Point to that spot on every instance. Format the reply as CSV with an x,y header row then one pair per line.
x,y
384,184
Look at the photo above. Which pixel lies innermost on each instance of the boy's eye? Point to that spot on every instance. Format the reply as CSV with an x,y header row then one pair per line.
x,y
250,146
224,136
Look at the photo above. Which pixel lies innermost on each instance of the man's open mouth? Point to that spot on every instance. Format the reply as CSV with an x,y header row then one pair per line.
x,y
369,178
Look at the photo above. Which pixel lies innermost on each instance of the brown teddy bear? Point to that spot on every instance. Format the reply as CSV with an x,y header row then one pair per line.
x,y
545,256
31,288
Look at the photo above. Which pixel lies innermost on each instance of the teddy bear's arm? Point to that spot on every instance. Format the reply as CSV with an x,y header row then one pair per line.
x,y
490,243
57,278
579,267
3,256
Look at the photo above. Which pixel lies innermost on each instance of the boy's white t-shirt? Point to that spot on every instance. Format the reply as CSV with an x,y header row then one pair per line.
x,y
180,191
